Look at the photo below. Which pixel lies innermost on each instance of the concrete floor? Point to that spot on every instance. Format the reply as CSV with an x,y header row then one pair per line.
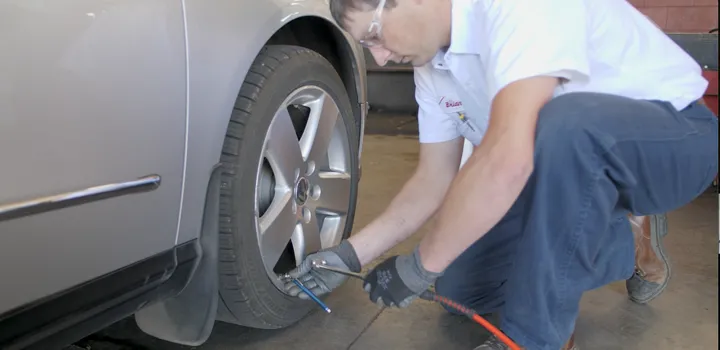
x,y
684,317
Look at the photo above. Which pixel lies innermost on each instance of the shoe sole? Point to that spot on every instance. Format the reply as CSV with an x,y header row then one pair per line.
x,y
658,224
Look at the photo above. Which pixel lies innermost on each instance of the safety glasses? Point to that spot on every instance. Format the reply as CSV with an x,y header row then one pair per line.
x,y
372,38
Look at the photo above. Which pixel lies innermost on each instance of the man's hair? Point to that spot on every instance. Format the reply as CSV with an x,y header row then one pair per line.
x,y
340,8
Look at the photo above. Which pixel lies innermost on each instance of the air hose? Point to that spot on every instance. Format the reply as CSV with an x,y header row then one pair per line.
x,y
428,295
471,314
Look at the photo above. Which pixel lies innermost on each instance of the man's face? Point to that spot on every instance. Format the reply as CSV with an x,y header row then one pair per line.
x,y
403,34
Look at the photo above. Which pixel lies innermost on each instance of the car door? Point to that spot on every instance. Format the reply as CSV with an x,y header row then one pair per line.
x,y
93,112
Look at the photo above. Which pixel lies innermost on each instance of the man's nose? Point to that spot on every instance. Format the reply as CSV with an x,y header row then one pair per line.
x,y
381,55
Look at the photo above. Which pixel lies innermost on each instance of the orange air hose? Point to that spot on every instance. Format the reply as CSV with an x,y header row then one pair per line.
x,y
431,296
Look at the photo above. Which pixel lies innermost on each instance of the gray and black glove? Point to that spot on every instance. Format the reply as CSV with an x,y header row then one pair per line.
x,y
321,282
399,280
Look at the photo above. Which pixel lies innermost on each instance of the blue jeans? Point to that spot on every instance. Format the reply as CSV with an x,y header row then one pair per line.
x,y
598,157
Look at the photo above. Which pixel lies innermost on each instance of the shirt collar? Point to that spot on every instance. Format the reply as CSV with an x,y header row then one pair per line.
x,y
440,60
464,33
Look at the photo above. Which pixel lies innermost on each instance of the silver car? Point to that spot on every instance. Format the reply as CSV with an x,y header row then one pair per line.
x,y
169,159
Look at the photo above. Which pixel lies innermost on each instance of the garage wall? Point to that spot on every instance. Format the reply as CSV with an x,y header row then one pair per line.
x,y
681,16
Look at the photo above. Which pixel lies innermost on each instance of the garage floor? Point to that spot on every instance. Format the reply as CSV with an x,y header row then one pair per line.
x,y
684,317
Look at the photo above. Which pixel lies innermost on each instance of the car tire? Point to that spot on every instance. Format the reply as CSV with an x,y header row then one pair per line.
x,y
249,295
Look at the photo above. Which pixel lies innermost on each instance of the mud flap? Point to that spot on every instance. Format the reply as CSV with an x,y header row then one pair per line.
x,y
189,317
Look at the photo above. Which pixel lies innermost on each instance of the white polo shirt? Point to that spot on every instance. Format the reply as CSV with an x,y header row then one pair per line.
x,y
602,46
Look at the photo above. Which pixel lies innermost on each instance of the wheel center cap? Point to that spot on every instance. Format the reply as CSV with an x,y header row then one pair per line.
x,y
302,191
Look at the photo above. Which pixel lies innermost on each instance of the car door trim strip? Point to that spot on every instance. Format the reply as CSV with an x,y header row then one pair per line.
x,y
74,198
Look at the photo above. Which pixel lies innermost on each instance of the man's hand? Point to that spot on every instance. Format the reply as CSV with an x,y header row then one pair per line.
x,y
398,280
321,282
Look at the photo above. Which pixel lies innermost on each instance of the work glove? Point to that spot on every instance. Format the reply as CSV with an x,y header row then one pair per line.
x,y
319,281
399,280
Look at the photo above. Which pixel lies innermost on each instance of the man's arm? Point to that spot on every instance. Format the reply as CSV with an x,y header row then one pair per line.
x,y
494,175
416,202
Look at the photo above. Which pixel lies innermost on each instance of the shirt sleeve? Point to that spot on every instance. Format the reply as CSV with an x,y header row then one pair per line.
x,y
434,125
535,38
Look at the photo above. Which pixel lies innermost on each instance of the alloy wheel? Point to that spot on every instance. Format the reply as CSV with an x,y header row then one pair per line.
x,y
304,182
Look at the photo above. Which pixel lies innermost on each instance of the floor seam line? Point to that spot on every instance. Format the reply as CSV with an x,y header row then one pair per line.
x,y
365,329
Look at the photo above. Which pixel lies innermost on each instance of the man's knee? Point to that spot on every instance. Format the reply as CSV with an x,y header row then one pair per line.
x,y
567,126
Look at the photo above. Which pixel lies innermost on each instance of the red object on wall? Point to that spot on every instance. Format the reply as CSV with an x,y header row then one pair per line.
x,y
711,94
681,16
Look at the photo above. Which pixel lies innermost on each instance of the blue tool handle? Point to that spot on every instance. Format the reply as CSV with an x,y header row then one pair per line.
x,y
311,295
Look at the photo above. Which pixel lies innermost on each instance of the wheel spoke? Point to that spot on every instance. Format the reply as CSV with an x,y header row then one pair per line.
x,y
334,192
283,149
332,230
318,132
277,227
306,240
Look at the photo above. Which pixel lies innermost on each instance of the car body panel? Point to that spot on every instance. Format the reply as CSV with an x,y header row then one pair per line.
x,y
91,93
218,63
